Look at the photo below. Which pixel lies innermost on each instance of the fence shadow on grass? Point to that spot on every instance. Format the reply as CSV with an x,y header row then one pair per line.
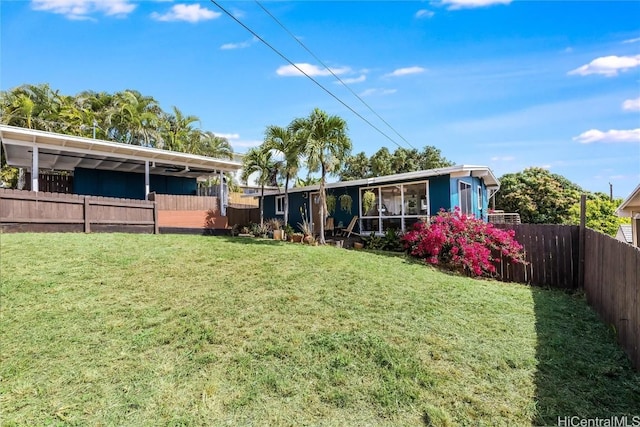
x,y
581,370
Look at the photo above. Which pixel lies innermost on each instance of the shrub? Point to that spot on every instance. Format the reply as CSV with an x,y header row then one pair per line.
x,y
462,242
390,241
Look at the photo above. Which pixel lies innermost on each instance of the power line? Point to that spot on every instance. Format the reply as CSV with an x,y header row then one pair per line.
x,y
331,71
302,71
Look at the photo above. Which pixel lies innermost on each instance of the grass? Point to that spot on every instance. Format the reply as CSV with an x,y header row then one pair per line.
x,y
113,329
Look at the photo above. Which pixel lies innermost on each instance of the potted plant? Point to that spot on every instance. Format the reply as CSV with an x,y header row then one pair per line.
x,y
307,229
331,204
368,201
297,237
345,203
276,225
288,232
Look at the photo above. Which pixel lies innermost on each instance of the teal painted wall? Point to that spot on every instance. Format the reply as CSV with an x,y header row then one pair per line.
x,y
95,182
439,195
478,211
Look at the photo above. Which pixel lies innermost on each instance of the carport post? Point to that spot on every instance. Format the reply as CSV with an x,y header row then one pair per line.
x,y
35,169
146,179
223,208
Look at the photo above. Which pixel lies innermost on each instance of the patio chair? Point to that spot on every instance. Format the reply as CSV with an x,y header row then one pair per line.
x,y
329,226
349,230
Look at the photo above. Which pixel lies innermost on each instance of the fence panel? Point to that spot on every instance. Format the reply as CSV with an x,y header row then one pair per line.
x,y
170,202
242,217
22,210
611,273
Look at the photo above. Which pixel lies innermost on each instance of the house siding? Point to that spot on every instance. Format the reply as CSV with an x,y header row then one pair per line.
x,y
128,185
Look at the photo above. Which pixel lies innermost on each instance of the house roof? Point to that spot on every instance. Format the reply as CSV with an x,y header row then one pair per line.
x,y
630,205
455,171
66,152
626,231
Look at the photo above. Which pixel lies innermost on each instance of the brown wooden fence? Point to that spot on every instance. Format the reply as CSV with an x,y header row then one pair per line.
x,y
551,252
612,287
611,273
22,210
242,216
171,202
51,183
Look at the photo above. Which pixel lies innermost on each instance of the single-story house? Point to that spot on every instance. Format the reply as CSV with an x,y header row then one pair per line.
x,y
630,208
392,201
105,168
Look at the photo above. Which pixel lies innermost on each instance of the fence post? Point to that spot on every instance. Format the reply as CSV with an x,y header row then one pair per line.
x,y
87,224
581,242
156,226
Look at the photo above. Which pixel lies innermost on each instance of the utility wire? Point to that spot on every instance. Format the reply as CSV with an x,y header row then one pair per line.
x,y
301,71
332,73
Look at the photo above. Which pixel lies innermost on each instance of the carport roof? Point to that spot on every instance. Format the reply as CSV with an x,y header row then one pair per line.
x,y
67,152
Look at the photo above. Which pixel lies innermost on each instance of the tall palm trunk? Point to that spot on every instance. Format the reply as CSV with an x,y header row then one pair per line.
x,y
286,200
323,204
262,206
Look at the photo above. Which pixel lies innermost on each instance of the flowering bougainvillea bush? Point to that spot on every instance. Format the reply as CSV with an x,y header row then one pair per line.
x,y
462,242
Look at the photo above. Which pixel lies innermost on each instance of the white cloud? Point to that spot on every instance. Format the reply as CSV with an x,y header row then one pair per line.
x,y
241,45
406,71
246,143
468,4
424,13
353,79
610,136
309,69
189,13
631,104
375,91
608,66
82,9
636,40
227,135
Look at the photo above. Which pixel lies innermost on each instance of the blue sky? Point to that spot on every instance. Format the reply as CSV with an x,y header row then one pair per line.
x,y
489,82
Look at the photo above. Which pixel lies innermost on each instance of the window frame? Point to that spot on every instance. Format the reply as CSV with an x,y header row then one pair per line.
x,y
403,216
469,201
279,200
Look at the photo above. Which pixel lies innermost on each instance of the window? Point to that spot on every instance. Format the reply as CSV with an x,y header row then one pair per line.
x,y
393,206
279,205
480,200
465,198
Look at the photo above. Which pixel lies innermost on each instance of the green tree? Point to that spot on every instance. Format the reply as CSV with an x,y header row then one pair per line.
x,y
600,214
284,142
539,196
431,158
356,167
260,161
305,182
178,133
381,163
326,145
206,143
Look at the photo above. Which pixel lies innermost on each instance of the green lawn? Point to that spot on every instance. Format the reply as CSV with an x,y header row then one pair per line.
x,y
113,329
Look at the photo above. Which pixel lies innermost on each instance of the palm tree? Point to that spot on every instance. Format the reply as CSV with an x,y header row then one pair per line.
x,y
258,160
134,118
178,130
326,145
209,144
283,141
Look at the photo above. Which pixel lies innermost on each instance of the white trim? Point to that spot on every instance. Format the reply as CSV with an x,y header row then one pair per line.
x,y
402,216
277,199
23,139
470,197
35,169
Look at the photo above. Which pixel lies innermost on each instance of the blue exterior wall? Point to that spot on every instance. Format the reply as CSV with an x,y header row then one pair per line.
x,y
95,182
439,195
478,211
